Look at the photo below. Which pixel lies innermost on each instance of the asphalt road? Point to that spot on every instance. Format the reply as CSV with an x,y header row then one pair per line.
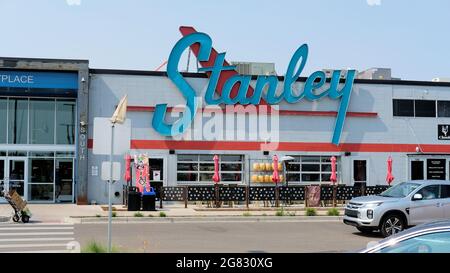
x,y
229,237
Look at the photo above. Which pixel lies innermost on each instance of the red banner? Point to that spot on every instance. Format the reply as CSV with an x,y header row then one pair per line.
x,y
142,172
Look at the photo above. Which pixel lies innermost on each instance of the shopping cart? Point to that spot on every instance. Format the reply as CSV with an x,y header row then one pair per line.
x,y
21,212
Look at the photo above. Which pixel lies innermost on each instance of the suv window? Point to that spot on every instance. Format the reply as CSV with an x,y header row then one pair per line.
x,y
430,192
445,191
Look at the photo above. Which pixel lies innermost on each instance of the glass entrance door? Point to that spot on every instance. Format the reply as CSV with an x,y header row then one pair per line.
x,y
64,180
16,174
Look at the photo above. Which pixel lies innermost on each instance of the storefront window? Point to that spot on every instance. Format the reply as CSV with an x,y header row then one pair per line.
x,y
40,192
443,108
310,169
42,121
41,170
200,168
18,121
425,108
3,119
65,122
37,121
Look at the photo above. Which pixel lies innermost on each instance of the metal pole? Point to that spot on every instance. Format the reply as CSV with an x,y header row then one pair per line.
x,y
110,189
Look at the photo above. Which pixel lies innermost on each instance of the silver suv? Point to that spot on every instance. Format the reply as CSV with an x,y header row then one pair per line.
x,y
405,204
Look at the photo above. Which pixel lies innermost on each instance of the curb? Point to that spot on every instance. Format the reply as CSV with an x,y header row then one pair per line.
x,y
186,219
4,219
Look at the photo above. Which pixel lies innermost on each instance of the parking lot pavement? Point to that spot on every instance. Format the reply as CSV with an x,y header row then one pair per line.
x,y
215,237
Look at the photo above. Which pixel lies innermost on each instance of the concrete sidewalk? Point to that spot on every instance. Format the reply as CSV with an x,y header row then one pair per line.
x,y
60,213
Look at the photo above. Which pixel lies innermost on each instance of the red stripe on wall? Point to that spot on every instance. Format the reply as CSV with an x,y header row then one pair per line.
x,y
284,146
281,112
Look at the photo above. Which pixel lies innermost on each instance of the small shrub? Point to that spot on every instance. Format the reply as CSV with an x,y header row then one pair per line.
x,y
280,212
311,212
138,214
95,247
98,215
114,214
247,214
333,212
291,214
162,214
264,214
150,215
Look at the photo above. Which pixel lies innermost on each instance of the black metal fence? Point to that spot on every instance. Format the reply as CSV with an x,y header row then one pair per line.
x,y
248,194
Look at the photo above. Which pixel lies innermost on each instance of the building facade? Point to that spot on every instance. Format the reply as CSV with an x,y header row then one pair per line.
x,y
47,110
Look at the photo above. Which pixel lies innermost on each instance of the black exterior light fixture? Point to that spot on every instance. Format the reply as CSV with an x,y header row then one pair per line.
x,y
265,152
172,152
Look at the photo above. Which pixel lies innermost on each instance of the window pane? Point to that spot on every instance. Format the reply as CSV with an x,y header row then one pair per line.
x,y
326,177
187,157
207,167
186,177
206,157
231,167
430,192
293,177
231,177
445,191
327,167
65,122
42,121
3,120
310,158
403,108
17,121
311,177
40,192
187,167
41,170
231,158
42,154
293,167
310,167
17,153
2,169
65,154
425,108
326,159
443,108
206,177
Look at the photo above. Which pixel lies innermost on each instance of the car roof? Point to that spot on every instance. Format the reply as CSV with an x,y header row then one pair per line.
x,y
430,182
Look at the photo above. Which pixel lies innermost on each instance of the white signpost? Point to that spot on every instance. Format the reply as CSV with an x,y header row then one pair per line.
x,y
116,143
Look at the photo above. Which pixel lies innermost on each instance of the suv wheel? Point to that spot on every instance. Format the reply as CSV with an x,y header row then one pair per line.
x,y
392,224
365,230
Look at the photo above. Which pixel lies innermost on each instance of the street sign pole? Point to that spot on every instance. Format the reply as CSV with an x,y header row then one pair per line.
x,y
110,189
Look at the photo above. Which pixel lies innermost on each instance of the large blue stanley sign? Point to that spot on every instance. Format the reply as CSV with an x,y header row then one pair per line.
x,y
242,82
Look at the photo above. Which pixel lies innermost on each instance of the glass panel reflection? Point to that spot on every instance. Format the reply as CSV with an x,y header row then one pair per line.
x,y
42,121
18,121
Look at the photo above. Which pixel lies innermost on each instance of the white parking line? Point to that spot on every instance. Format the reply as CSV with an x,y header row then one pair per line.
x,y
37,239
38,251
32,245
35,228
35,233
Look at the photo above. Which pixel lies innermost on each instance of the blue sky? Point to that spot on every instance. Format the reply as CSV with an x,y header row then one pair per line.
x,y
410,36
